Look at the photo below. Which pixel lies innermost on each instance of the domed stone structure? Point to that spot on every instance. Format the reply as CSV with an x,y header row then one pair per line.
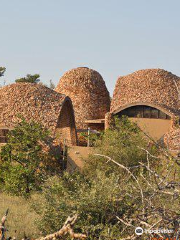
x,y
89,95
150,97
41,104
153,86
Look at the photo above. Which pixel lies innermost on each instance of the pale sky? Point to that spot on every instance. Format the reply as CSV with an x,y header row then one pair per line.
x,y
114,37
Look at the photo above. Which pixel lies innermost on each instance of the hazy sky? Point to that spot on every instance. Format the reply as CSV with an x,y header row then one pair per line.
x,y
114,37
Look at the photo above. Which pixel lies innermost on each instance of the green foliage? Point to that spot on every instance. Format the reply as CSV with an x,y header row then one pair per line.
x,y
93,137
29,78
2,71
97,202
123,143
132,184
102,192
112,198
24,159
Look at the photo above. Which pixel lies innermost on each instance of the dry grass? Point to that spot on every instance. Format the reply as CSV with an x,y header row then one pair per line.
x,y
21,218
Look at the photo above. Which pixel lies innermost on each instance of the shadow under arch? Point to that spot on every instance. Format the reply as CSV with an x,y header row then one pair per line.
x,y
66,128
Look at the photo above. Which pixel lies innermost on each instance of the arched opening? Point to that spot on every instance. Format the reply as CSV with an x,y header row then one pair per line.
x,y
151,120
143,111
66,129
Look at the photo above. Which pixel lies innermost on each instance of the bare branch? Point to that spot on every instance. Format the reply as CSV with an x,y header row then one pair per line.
x,y
67,228
2,226
125,168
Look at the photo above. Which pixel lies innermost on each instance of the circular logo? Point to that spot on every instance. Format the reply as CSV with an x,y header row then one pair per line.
x,y
139,231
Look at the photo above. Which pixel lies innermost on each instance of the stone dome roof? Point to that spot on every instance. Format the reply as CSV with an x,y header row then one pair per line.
x,y
88,93
33,102
155,87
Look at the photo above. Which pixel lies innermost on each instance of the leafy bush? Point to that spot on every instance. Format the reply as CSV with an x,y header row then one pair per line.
x,y
25,159
123,143
96,201
102,192
83,138
130,183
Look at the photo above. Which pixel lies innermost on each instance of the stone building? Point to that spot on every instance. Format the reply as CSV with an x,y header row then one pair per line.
x,y
89,95
172,139
150,98
41,104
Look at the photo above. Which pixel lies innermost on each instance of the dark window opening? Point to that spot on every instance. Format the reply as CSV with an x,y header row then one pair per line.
x,y
155,113
146,112
143,112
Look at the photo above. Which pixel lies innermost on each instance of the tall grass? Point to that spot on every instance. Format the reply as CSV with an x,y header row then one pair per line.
x,y
21,218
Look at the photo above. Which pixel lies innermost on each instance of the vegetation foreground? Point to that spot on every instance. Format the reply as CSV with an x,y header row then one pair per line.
x,y
21,218
129,181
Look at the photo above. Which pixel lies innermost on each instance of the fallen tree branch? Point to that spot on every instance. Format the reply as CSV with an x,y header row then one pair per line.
x,y
2,226
65,230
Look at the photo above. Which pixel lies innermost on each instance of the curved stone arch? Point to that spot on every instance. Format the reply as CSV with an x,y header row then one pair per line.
x,y
66,127
155,86
164,110
156,128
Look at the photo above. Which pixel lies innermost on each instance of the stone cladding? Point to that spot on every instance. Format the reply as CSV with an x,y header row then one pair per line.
x,y
39,103
154,86
88,92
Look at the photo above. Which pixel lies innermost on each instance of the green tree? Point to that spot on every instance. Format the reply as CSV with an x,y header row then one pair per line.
x,y
24,159
29,78
2,71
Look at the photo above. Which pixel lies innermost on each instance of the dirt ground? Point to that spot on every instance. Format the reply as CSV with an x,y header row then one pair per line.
x,y
76,157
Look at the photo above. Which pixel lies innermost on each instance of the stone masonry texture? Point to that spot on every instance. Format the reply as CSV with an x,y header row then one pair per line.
x,y
34,102
153,86
88,92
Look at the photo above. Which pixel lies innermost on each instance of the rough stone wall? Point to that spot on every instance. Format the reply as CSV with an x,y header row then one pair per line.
x,y
88,93
108,120
155,86
172,139
33,102
66,130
